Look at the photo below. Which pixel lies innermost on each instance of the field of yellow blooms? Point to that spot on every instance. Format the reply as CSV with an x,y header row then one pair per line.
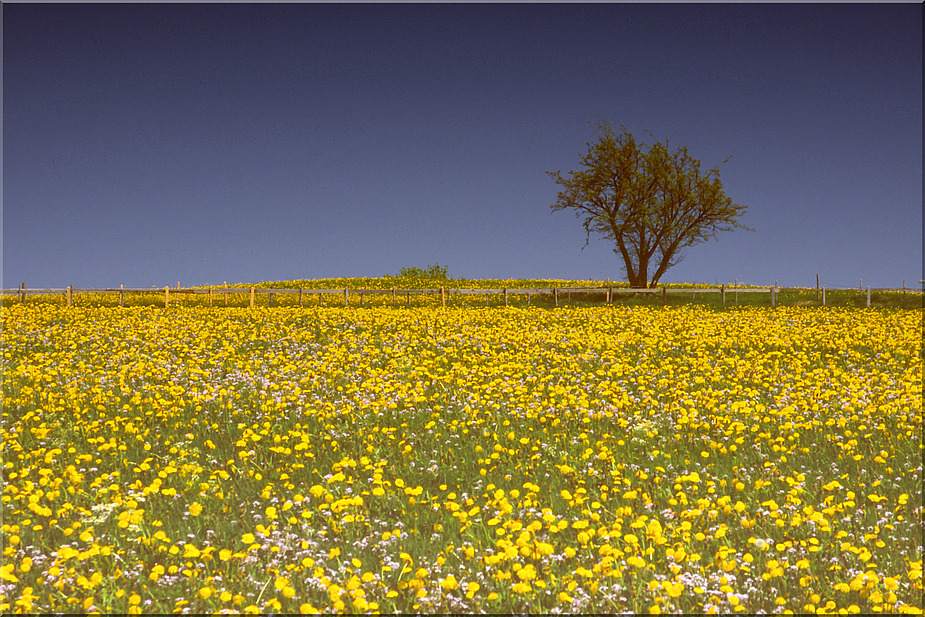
x,y
606,459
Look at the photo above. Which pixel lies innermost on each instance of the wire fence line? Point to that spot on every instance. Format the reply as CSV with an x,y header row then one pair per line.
x,y
608,293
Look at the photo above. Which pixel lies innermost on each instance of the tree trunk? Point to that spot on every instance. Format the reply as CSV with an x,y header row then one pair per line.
x,y
642,276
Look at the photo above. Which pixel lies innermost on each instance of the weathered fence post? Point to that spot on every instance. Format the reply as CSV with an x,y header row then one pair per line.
x,y
393,297
823,296
300,297
210,297
122,296
226,293
555,296
345,297
722,290
253,293
166,295
319,298
22,293
505,296
70,293
408,298
442,297
868,296
664,296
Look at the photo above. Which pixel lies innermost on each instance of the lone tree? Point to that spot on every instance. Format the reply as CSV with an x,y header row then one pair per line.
x,y
651,201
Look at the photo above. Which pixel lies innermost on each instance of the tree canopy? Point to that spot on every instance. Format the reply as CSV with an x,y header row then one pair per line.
x,y
653,202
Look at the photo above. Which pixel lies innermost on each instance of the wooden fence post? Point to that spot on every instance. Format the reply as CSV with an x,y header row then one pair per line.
x,y
166,295
122,296
555,296
319,298
22,293
345,296
408,298
70,293
664,296
442,297
393,297
210,297
300,297
253,293
505,296
868,296
823,296
722,290
226,293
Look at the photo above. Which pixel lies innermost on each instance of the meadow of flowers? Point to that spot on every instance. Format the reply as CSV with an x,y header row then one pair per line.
x,y
609,459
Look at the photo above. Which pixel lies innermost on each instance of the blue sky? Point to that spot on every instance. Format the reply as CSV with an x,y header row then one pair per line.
x,y
149,144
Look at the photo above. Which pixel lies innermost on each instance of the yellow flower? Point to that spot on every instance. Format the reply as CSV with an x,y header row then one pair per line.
x,y
522,588
6,573
195,509
190,551
673,589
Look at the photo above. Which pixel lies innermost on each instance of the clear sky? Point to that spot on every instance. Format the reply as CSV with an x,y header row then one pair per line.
x,y
149,144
